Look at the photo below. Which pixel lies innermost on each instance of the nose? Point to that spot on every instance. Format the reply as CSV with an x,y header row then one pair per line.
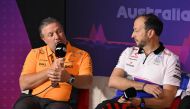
x,y
56,35
133,35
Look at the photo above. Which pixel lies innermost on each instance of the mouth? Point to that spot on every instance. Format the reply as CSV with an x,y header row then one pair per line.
x,y
57,42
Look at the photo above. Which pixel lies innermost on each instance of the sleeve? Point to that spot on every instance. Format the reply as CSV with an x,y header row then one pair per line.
x,y
122,59
173,71
30,63
86,65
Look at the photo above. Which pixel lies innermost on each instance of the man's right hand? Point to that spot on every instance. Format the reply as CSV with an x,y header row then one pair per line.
x,y
56,67
58,64
57,72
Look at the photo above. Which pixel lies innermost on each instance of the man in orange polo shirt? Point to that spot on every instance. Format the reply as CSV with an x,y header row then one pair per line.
x,y
42,69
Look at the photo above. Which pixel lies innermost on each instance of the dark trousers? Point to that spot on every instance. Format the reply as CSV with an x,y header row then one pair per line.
x,y
33,102
185,103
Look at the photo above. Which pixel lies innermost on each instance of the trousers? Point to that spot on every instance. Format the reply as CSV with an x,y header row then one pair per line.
x,y
27,101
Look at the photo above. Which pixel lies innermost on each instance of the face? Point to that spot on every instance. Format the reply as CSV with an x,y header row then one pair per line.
x,y
52,34
139,33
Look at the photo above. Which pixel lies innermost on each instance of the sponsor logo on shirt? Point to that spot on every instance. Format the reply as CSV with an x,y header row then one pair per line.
x,y
134,55
130,64
43,62
68,66
134,59
158,60
167,53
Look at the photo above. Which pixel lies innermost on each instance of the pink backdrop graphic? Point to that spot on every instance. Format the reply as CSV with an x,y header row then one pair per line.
x,y
98,36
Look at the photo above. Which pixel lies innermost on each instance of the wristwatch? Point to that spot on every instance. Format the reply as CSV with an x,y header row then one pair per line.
x,y
142,103
71,79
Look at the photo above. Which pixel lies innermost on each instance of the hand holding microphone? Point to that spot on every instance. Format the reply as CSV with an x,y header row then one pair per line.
x,y
60,52
130,97
128,93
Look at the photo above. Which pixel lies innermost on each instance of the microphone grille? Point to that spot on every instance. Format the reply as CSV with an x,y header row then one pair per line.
x,y
60,50
130,92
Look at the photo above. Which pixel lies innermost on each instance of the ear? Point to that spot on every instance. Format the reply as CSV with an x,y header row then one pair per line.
x,y
43,39
150,33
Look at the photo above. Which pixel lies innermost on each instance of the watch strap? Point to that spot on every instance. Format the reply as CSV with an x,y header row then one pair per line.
x,y
142,103
71,79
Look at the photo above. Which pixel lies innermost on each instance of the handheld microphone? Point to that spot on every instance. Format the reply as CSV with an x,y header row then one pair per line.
x,y
130,93
60,52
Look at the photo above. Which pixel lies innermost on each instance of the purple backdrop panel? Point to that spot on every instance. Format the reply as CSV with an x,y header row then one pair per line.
x,y
14,47
104,28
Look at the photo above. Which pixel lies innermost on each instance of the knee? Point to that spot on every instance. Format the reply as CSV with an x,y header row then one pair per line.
x,y
58,106
24,104
20,105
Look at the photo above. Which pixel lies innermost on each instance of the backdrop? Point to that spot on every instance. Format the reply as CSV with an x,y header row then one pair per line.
x,y
104,28
101,27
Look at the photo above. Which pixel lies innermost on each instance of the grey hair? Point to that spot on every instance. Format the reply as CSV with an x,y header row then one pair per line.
x,y
46,22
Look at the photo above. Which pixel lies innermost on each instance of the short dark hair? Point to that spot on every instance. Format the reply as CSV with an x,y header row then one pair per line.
x,y
152,22
46,22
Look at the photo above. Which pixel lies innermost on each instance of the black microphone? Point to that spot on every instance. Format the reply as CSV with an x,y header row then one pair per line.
x,y
60,52
130,93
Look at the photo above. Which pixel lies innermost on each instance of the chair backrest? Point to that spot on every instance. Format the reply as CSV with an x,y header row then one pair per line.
x,y
185,81
79,98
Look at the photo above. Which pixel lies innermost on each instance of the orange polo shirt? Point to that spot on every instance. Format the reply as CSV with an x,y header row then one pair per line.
x,y
77,62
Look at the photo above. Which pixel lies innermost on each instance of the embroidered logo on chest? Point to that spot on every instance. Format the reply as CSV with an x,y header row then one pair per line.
x,y
158,60
43,63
